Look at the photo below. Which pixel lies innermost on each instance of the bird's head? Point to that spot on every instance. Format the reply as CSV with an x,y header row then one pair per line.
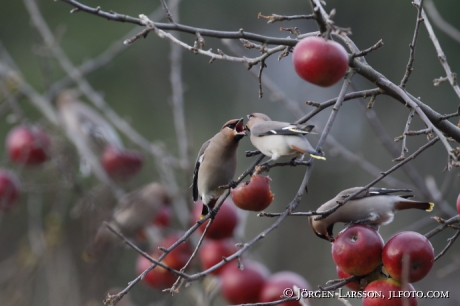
x,y
321,228
254,118
234,128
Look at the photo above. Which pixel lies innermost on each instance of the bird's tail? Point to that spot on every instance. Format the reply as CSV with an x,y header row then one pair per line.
x,y
206,208
312,152
406,204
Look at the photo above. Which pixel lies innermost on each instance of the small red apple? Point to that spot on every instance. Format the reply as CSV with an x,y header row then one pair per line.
x,y
254,195
458,204
357,250
224,223
213,251
9,190
276,284
389,292
163,216
243,286
121,164
179,256
410,246
160,277
28,145
354,285
319,61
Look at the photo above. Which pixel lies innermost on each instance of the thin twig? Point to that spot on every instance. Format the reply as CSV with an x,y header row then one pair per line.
x,y
275,18
183,28
364,52
144,254
441,56
419,5
168,13
443,25
406,129
450,241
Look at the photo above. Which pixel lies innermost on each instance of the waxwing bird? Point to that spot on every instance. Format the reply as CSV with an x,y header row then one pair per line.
x,y
216,164
83,123
89,132
276,139
134,212
374,208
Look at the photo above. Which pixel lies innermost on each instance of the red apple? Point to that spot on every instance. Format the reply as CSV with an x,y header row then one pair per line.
x,y
121,164
276,284
458,204
243,286
163,216
354,285
410,246
224,223
28,145
319,61
9,190
159,277
389,292
357,250
253,195
212,252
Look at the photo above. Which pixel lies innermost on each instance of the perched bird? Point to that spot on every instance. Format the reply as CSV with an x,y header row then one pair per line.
x,y
216,164
90,133
276,139
374,207
83,124
134,212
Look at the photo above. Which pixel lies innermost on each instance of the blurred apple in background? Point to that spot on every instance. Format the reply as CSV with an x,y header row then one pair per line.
x,y
275,285
159,277
388,288
243,286
9,190
224,223
28,145
213,251
121,164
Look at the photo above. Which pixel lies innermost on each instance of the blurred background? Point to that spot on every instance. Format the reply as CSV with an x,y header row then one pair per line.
x,y
60,209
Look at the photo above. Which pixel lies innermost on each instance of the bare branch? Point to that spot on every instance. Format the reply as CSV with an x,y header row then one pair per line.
x,y
364,52
419,5
441,56
275,18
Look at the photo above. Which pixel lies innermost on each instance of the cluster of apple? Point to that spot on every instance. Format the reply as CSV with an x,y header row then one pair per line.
x,y
406,258
249,283
29,145
252,282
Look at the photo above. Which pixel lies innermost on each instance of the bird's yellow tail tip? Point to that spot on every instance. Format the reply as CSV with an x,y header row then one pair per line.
x,y
431,207
202,216
318,157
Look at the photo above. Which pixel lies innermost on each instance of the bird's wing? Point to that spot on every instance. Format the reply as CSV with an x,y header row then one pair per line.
x,y
97,128
198,162
280,128
375,191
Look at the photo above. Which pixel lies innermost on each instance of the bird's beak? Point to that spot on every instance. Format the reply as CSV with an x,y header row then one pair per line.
x,y
240,129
